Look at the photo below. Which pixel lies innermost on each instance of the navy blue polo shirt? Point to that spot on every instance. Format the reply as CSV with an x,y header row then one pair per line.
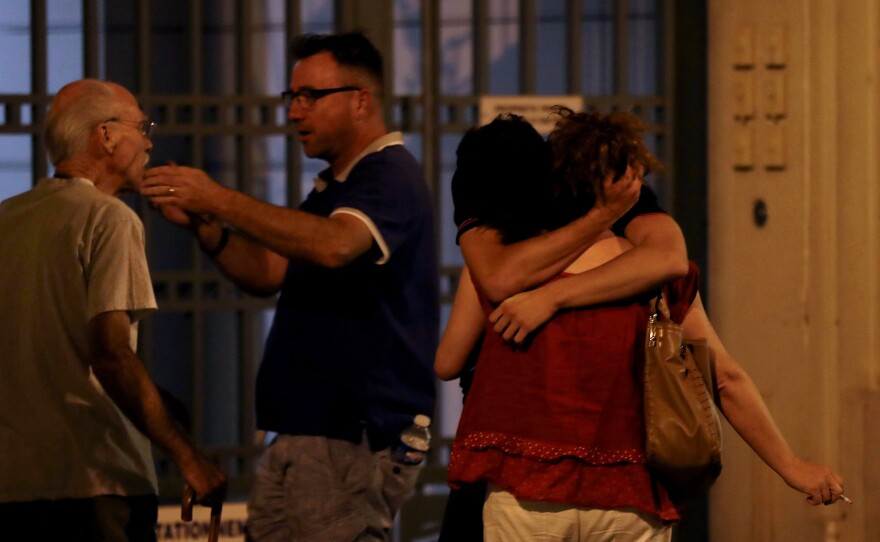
x,y
352,349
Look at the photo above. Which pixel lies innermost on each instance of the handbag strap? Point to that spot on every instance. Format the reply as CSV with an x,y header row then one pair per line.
x,y
659,310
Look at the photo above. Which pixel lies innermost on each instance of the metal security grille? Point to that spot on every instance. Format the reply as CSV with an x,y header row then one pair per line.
x,y
209,72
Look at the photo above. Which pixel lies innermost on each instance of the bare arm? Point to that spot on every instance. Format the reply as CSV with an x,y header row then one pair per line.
x,y
123,377
742,405
463,330
659,255
331,242
251,266
504,270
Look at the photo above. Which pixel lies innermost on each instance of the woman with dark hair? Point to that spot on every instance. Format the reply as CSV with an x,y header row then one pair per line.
x,y
502,188
553,422
502,179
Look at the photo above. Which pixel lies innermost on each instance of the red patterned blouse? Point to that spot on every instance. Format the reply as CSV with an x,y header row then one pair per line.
x,y
561,419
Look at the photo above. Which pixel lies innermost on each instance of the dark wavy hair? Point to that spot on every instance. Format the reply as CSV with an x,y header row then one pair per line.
x,y
502,178
588,147
350,49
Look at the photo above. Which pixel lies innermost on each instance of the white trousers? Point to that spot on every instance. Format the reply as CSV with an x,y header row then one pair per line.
x,y
506,519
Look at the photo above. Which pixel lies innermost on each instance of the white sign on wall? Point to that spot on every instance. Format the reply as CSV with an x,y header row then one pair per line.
x,y
538,110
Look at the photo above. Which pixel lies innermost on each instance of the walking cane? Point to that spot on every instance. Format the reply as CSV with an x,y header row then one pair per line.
x,y
186,509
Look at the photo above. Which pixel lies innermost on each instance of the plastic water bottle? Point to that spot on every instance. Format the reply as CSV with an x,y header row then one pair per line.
x,y
414,442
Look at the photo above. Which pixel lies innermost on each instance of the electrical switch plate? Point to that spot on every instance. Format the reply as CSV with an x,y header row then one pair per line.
x,y
773,146
744,47
744,95
775,47
773,95
743,146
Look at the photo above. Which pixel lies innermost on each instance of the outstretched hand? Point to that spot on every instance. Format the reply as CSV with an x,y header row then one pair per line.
x,y
186,188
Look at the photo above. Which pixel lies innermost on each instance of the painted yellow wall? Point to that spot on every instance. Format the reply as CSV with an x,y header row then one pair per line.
x,y
796,301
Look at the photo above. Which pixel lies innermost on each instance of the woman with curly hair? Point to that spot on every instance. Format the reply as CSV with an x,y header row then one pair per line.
x,y
553,421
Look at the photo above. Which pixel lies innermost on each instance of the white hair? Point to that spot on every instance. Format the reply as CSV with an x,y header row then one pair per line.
x,y
68,124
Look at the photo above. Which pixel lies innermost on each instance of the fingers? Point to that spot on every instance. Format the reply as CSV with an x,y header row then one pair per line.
x,y
160,189
636,187
627,188
514,332
627,179
820,496
632,182
828,492
610,188
631,175
496,315
509,330
160,199
206,479
154,175
158,196
501,324
835,490
215,492
167,175
639,170
633,193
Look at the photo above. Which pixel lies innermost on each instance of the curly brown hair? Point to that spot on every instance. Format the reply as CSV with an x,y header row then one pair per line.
x,y
588,147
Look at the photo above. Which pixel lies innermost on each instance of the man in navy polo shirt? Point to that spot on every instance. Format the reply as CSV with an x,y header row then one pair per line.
x,y
348,362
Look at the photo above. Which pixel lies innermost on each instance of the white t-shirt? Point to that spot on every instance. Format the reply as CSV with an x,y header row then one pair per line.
x,y
67,253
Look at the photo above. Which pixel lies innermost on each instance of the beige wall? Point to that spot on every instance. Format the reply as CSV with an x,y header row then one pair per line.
x,y
796,301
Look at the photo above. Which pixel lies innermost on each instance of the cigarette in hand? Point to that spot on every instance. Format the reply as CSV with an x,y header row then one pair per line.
x,y
845,499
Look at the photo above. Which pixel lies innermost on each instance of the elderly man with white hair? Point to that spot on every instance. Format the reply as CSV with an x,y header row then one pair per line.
x,y
77,408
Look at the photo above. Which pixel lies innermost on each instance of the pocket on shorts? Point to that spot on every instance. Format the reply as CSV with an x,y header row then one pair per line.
x,y
398,481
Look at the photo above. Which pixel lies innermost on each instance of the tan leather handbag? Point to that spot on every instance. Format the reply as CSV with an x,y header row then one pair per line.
x,y
683,440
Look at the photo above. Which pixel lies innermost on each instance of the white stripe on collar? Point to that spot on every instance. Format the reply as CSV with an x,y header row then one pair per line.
x,y
387,140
